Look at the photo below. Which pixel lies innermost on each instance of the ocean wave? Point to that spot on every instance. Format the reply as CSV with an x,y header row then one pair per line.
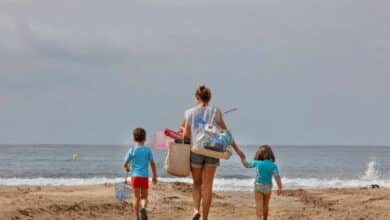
x,y
316,183
43,181
220,184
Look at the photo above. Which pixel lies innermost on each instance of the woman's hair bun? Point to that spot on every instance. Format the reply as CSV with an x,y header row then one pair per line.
x,y
203,93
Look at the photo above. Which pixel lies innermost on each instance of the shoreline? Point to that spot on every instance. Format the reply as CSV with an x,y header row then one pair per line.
x,y
173,201
220,184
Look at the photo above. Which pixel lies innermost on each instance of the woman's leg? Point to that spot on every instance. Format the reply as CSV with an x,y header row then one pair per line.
x,y
196,188
208,179
259,205
266,199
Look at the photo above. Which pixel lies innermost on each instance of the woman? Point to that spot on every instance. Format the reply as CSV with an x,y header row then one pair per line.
x,y
203,168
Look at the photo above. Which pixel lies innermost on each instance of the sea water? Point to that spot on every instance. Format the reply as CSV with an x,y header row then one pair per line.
x,y
300,166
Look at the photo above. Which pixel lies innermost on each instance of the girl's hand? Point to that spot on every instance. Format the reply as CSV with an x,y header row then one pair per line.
x,y
279,192
279,184
244,162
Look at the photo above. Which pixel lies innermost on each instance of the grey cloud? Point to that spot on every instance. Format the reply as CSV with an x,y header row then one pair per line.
x,y
301,72
75,45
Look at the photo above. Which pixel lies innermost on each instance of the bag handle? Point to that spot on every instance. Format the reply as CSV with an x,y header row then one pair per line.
x,y
213,115
182,140
214,109
205,113
127,175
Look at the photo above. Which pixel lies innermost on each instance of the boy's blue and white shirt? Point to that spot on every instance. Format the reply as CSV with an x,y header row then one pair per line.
x,y
265,170
139,157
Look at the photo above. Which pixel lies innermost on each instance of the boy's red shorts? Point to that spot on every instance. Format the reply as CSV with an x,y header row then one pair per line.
x,y
140,182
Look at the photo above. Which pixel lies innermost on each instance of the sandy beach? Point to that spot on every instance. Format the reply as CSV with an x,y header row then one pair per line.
x,y
173,201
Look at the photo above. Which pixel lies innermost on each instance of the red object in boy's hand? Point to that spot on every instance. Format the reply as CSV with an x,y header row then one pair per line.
x,y
172,134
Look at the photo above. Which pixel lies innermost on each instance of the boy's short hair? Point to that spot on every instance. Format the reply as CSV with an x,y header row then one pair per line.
x,y
139,134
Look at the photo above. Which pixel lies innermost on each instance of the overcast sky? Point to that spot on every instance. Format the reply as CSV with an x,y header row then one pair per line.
x,y
300,72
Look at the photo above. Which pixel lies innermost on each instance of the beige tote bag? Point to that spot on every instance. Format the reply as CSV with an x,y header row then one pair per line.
x,y
177,162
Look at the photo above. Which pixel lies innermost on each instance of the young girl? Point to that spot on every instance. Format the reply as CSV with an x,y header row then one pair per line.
x,y
266,168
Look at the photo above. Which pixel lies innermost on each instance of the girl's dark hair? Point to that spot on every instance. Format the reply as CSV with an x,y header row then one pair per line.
x,y
139,134
203,93
265,153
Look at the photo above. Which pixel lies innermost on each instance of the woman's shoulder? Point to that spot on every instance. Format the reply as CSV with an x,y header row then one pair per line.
x,y
200,110
191,109
189,112
213,107
195,109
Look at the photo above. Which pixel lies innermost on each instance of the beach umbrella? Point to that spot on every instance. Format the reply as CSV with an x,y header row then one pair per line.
x,y
123,190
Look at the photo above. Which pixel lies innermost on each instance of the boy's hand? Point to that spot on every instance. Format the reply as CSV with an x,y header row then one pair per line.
x,y
279,192
126,166
154,180
154,170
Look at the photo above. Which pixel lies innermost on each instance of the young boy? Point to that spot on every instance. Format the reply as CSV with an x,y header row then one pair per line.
x,y
140,156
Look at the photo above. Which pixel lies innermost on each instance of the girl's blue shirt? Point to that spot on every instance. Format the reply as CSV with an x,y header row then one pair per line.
x,y
265,170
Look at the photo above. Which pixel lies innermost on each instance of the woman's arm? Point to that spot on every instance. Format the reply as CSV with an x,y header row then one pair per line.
x,y
181,129
244,162
187,130
238,150
221,123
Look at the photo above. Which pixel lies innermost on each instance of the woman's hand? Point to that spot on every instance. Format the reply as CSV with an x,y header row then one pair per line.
x,y
244,162
238,150
240,154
